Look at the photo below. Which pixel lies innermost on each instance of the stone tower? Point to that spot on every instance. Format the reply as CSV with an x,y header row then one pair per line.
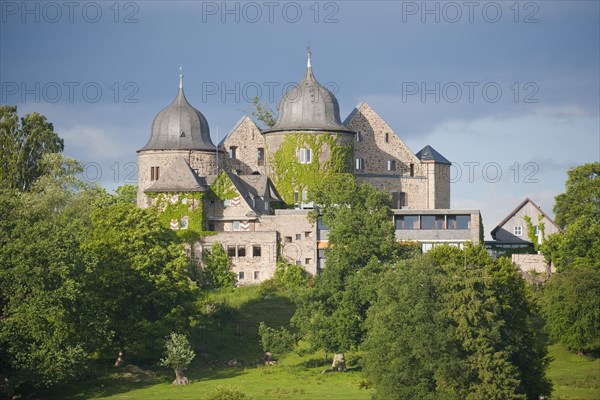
x,y
178,131
308,140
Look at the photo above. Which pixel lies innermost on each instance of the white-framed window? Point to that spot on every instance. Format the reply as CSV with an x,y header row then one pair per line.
x,y
537,230
184,223
391,165
235,226
233,152
359,164
241,275
256,275
304,156
358,136
226,202
518,230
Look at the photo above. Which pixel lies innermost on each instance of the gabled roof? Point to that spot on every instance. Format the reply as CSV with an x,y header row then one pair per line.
x,y
179,177
429,154
237,125
353,112
517,209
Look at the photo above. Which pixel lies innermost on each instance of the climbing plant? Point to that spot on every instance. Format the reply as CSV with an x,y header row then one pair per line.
x,y
290,175
222,188
533,238
186,209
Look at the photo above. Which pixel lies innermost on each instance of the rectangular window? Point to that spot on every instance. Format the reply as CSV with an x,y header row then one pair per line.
x,y
154,173
391,165
256,275
518,231
451,222
241,251
287,239
359,164
358,136
231,251
398,199
537,230
387,137
427,221
304,196
439,222
266,205
298,262
261,156
296,197
307,261
233,152
298,236
463,222
412,169
226,203
304,156
407,222
211,227
241,276
307,234
256,250
235,226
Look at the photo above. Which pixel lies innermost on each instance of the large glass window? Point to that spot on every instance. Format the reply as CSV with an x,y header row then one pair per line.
x,y
231,251
427,221
407,222
463,222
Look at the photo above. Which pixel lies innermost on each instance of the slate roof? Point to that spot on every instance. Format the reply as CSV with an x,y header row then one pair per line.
x,y
179,177
180,127
429,154
309,106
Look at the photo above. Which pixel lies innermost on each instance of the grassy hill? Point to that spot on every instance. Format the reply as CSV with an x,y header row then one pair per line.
x,y
232,335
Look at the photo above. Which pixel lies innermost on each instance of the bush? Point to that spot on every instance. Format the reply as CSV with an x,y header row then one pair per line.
x,y
276,341
227,393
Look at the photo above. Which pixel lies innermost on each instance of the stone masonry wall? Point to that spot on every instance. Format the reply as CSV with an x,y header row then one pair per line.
x,y
247,139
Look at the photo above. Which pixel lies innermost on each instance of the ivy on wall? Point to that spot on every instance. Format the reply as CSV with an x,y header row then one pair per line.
x,y
185,208
290,175
533,238
222,188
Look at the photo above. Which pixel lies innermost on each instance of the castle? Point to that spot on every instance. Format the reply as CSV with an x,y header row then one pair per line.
x,y
250,192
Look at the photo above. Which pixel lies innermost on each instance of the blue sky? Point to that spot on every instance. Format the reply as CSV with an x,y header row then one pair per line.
x,y
508,91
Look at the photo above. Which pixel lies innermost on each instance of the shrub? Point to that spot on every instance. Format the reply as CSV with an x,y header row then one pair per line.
x,y
277,341
227,393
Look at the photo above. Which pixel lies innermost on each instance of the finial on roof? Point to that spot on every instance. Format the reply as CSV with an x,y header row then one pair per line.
x,y
308,62
180,77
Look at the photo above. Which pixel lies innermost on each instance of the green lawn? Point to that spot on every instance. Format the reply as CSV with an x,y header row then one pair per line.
x,y
574,377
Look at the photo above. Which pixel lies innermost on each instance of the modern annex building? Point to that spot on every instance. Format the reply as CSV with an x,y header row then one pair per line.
x,y
249,192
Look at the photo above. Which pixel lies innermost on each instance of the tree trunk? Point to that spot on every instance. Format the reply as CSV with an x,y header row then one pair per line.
x,y
339,363
180,379
120,359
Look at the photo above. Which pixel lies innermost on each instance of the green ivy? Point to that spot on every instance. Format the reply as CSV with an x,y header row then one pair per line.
x,y
187,204
531,230
290,175
222,188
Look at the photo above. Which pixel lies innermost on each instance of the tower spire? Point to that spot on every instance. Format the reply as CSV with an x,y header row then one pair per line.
x,y
180,77
308,61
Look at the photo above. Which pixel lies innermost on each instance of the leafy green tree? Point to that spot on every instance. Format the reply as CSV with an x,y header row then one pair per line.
x,y
217,268
361,245
578,212
50,330
581,198
127,193
178,355
290,278
571,306
140,278
444,327
263,113
279,341
22,146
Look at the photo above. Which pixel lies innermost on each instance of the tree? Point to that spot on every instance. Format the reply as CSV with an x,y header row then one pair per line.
x,y
263,113
140,279
578,212
178,355
127,193
279,341
50,329
361,246
22,146
571,306
476,319
217,268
